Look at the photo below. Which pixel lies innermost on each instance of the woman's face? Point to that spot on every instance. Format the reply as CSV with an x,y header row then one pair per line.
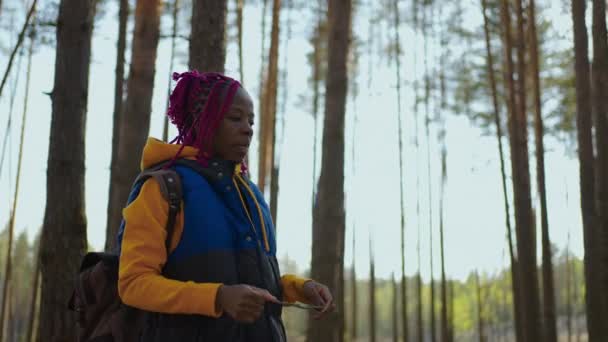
x,y
233,136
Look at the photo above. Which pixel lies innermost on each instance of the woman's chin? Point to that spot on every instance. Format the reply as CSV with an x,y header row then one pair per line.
x,y
237,157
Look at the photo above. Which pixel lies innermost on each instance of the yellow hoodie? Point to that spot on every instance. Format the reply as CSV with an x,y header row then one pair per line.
x,y
143,253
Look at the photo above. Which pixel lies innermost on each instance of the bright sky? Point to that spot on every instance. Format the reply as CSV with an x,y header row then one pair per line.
x,y
474,216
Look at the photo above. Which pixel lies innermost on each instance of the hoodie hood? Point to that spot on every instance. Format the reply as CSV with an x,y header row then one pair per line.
x,y
157,151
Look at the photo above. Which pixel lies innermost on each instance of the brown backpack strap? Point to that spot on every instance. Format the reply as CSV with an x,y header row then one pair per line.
x,y
171,190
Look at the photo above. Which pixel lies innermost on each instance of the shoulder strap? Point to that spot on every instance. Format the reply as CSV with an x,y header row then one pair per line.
x,y
171,190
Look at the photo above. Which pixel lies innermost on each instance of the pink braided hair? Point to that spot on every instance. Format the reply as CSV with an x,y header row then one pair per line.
x,y
197,105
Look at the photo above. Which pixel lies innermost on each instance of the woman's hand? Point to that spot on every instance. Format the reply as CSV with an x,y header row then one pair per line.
x,y
244,303
319,295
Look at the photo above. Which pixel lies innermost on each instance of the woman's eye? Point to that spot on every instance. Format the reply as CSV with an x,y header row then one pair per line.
x,y
234,118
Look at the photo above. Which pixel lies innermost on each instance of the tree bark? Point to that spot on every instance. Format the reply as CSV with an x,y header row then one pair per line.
x,y
114,206
568,292
208,36
444,176
586,171
394,306
135,121
480,322
444,337
499,134
419,321
372,295
239,25
549,320
328,218
451,313
427,122
404,319
171,61
33,301
600,116
262,78
527,271
268,116
64,234
316,78
353,279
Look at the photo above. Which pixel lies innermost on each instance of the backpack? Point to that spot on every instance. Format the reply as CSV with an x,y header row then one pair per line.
x,y
100,314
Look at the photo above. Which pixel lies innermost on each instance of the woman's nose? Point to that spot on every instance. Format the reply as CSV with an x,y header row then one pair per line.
x,y
247,129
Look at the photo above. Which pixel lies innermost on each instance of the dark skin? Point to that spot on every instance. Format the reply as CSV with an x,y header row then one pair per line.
x,y
245,303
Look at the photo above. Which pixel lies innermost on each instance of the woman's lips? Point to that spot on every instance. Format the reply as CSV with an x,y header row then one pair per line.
x,y
242,148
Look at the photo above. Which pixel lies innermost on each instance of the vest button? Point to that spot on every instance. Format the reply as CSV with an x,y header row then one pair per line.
x,y
248,238
228,188
220,175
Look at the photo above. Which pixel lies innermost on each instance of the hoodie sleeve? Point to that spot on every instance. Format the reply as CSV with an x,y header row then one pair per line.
x,y
292,288
143,255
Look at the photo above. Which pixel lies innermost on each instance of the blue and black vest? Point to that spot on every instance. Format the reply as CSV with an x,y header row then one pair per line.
x,y
225,220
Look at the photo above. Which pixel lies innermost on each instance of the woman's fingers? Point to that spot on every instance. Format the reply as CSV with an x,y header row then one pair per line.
x,y
327,299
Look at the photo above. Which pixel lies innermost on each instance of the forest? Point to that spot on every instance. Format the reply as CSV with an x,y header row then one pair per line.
x,y
442,166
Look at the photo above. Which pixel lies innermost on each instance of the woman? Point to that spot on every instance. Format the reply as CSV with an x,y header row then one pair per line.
x,y
220,279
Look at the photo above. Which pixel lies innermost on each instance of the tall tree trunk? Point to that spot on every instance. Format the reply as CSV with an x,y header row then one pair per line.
x,y
444,178
504,331
114,205
575,300
355,310
404,311
480,322
451,313
11,225
239,25
419,321
171,61
549,321
499,134
527,271
135,121
268,117
354,327
600,117
33,300
372,294
404,320
444,312
36,260
64,232
262,78
18,45
568,291
328,219
274,190
10,327
280,129
263,54
427,122
586,171
316,78
208,36
394,311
